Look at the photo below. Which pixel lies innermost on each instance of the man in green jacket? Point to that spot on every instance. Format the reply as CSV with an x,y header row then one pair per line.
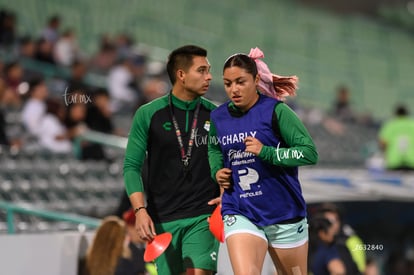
x,y
396,139
172,132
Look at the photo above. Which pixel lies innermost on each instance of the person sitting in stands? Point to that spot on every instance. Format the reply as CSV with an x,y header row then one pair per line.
x,y
396,139
109,252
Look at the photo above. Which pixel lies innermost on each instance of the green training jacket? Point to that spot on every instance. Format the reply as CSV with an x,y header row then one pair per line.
x,y
172,191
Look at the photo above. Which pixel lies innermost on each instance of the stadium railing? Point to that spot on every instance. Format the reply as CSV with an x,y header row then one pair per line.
x,y
12,208
100,138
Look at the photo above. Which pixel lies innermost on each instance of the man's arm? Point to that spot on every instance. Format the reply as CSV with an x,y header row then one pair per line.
x,y
135,154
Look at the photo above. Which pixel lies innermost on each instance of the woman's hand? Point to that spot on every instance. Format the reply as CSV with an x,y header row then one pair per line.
x,y
253,145
223,177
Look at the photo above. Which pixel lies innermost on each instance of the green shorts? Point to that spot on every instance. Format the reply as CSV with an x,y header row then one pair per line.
x,y
288,235
192,246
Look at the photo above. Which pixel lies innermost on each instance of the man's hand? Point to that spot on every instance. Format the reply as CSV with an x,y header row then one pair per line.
x,y
144,225
214,201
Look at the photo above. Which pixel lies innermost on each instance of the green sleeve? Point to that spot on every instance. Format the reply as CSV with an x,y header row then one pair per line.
x,y
385,132
300,150
358,255
215,157
136,152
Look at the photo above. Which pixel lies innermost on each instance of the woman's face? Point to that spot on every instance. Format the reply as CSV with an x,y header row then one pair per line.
x,y
240,87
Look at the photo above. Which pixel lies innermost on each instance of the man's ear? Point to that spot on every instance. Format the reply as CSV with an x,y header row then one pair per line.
x,y
180,75
322,234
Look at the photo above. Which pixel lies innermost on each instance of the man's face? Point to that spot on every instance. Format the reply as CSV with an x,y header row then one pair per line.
x,y
334,219
196,80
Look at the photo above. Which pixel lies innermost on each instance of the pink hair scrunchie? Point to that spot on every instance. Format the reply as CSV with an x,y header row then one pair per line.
x,y
270,84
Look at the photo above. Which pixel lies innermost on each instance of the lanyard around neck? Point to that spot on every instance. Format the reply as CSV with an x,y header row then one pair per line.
x,y
185,157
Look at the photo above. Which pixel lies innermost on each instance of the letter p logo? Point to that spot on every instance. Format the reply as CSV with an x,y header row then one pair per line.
x,y
247,177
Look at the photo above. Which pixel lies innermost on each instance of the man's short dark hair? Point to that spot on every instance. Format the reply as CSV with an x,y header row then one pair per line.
x,y
182,58
401,110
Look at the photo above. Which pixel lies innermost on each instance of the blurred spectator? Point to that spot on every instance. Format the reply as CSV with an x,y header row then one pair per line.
x,y
26,54
8,97
27,47
105,39
109,253
53,135
372,267
346,241
123,90
410,266
99,118
44,51
51,31
396,140
99,115
342,109
66,49
76,82
105,58
75,114
324,258
124,45
7,29
75,123
396,264
4,140
152,88
34,107
13,75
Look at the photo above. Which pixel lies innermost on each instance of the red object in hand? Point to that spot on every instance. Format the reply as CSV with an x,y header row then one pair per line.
x,y
216,224
157,246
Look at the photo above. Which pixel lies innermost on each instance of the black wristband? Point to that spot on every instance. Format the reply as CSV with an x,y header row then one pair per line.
x,y
139,208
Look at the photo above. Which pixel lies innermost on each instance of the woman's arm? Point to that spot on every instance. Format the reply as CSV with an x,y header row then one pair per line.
x,y
300,150
215,156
